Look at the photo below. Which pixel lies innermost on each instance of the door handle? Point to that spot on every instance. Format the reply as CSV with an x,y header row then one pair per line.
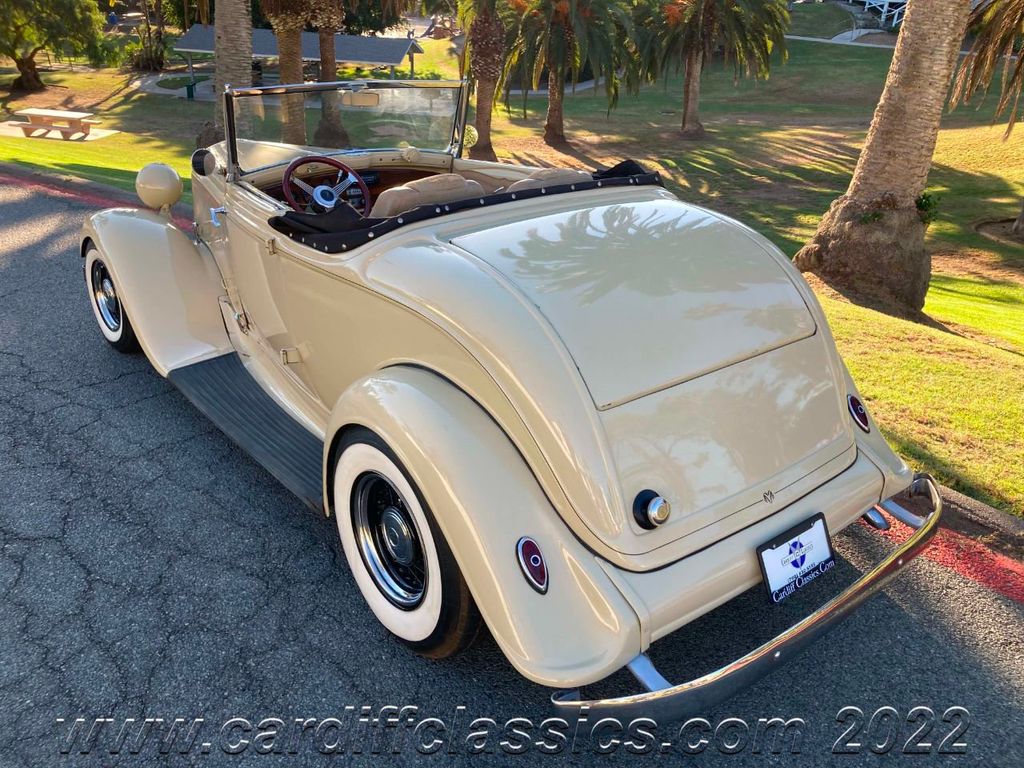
x,y
215,212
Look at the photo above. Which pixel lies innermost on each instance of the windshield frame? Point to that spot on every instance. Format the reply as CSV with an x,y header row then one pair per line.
x,y
455,144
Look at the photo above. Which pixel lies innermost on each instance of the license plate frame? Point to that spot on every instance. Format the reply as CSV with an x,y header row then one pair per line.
x,y
815,530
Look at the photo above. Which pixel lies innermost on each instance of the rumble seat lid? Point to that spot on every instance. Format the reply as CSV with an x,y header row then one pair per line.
x,y
649,294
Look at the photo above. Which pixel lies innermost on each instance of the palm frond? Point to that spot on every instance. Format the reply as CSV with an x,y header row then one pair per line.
x,y
998,48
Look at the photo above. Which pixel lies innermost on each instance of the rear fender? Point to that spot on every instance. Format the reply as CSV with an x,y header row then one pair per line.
x,y
167,282
897,476
484,499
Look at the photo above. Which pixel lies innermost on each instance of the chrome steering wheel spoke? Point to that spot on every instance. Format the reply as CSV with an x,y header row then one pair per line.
x,y
343,184
303,186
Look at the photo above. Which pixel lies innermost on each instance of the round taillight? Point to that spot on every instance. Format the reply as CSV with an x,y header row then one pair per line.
x,y
651,510
531,561
858,412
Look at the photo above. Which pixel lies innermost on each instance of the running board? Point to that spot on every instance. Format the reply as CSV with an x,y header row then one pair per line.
x,y
230,397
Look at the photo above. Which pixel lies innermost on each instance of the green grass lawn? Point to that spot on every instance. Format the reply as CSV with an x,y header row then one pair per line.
x,y
822,20
438,56
153,128
989,307
950,405
777,153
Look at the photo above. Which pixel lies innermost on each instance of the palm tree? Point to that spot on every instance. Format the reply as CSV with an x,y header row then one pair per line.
x,y
871,241
485,49
289,18
687,33
328,16
1000,28
232,58
563,36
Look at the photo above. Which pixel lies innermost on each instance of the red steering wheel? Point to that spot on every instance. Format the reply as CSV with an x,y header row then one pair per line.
x,y
325,195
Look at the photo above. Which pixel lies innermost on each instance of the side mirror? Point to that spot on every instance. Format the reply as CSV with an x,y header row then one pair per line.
x,y
470,136
203,162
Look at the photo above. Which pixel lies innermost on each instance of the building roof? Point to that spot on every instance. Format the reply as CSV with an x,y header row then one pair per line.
x,y
351,49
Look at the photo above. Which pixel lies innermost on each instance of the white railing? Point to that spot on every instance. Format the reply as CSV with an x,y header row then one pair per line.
x,y
892,10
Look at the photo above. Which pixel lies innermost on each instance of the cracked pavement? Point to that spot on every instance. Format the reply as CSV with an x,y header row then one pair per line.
x,y
149,568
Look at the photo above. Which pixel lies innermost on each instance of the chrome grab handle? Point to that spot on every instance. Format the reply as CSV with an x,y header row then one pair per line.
x,y
663,700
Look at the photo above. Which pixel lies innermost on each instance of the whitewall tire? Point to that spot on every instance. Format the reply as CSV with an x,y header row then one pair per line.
x,y
107,308
398,557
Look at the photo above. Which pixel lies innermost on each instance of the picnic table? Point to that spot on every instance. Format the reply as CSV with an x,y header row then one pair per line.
x,y
67,123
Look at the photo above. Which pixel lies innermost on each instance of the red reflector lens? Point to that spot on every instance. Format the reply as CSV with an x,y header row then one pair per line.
x,y
859,413
532,563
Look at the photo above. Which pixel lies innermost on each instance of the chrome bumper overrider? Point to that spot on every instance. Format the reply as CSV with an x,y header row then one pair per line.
x,y
667,701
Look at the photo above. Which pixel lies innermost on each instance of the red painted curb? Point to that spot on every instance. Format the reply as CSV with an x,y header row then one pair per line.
x,y
971,559
86,196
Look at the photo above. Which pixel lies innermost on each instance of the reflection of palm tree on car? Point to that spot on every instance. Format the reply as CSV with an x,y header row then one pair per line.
x,y
543,255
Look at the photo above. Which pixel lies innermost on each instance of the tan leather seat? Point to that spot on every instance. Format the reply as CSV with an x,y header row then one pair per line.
x,y
549,177
443,188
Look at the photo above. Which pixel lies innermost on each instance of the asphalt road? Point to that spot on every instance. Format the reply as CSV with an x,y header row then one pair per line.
x,y
150,569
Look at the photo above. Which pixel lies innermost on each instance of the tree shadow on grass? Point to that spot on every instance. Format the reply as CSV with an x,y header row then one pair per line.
x,y
776,180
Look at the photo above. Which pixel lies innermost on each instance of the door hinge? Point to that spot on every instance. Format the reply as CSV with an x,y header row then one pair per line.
x,y
290,356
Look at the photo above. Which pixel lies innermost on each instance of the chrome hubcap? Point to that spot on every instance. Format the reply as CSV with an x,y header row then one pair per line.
x,y
105,296
397,537
389,541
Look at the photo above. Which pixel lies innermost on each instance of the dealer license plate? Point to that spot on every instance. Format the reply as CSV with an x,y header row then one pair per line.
x,y
796,557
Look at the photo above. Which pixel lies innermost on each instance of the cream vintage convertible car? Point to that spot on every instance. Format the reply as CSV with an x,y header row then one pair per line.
x,y
563,404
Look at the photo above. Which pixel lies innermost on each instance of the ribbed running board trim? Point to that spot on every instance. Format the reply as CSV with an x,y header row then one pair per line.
x,y
231,398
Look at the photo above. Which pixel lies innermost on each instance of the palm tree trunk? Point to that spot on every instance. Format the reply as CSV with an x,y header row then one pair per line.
x,y
329,131
485,88
554,125
871,241
328,55
691,126
293,106
486,42
232,60
158,42
1018,225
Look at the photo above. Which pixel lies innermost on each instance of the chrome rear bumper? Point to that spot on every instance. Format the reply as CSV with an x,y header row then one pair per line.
x,y
662,700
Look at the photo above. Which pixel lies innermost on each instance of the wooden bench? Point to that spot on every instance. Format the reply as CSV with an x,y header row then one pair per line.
x,y
68,124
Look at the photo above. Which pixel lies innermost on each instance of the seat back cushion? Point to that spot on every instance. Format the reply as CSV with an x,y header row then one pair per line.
x,y
549,177
443,188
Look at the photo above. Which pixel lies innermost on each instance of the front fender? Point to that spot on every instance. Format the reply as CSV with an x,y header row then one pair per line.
x,y
484,499
169,285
